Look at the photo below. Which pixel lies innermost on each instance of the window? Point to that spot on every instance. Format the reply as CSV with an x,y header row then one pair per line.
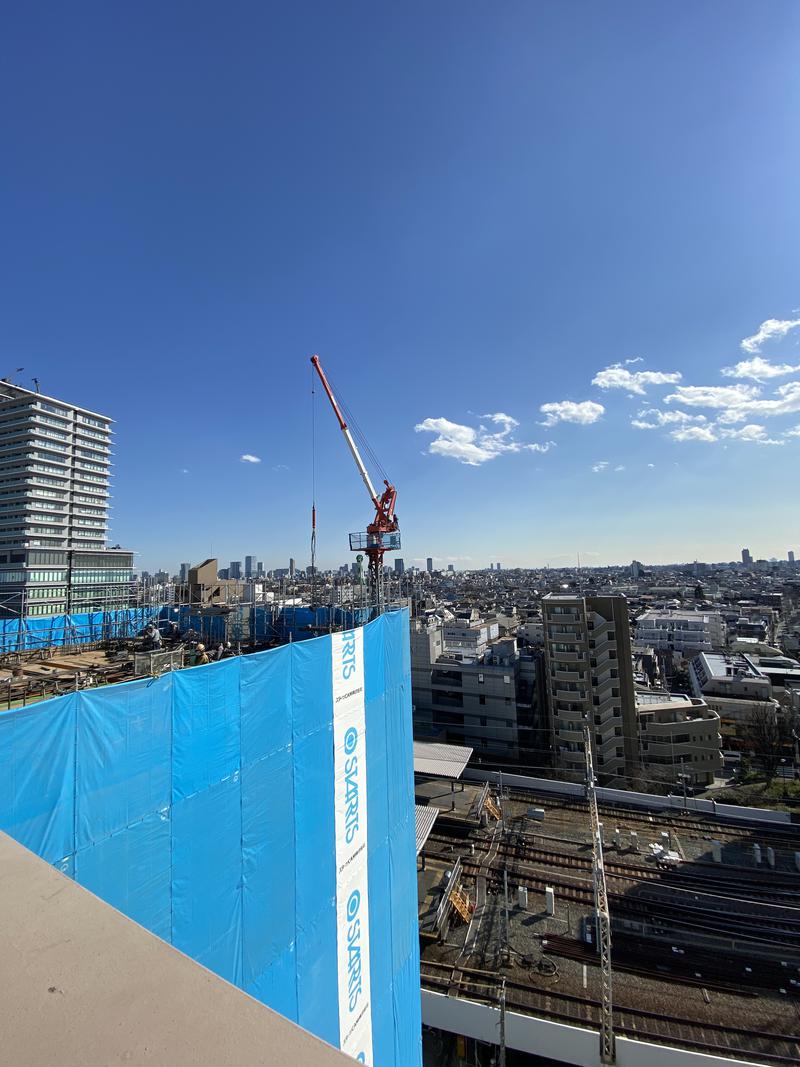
x,y
481,699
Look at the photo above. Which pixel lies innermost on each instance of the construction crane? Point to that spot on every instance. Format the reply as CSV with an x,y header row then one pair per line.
x,y
383,533
607,1044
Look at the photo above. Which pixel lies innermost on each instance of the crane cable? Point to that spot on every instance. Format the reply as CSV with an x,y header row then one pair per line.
x,y
357,432
313,491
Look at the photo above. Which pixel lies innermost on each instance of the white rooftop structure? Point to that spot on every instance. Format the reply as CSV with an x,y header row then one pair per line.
x,y
425,817
679,631
440,761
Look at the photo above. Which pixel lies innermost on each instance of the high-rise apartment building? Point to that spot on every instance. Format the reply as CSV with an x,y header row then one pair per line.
x,y
291,568
747,559
235,569
429,564
590,679
399,566
790,556
249,564
55,462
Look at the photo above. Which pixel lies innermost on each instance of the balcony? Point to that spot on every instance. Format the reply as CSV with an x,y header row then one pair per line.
x,y
573,697
568,676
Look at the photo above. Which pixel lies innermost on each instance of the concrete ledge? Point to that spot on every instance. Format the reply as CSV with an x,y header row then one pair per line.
x,y
83,986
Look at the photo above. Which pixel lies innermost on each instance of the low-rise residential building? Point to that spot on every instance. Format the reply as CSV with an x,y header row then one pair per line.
x,y
678,735
734,687
473,688
683,632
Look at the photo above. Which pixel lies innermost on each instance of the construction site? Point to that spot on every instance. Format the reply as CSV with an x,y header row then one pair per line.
x,y
701,951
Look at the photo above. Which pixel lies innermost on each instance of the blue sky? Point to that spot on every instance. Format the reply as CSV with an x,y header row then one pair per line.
x,y
469,211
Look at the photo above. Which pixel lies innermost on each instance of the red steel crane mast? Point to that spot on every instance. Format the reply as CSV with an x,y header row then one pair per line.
x,y
383,533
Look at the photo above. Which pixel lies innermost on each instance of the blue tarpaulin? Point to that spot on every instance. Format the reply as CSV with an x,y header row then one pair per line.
x,y
45,631
201,804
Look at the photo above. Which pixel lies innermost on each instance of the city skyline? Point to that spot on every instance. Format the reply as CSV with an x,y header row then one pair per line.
x,y
554,279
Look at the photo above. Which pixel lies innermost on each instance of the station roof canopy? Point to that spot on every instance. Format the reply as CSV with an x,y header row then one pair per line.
x,y
440,761
425,818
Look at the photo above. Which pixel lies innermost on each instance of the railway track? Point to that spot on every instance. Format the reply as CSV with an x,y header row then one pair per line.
x,y
687,918
779,890
719,829
635,1023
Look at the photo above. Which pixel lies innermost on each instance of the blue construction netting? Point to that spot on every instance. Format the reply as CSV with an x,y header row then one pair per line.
x,y
257,813
264,622
47,631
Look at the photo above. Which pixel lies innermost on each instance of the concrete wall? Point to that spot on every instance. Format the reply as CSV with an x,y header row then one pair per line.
x,y
557,1041
624,796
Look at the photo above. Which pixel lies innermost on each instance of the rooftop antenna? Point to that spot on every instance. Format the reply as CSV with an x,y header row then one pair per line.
x,y
36,383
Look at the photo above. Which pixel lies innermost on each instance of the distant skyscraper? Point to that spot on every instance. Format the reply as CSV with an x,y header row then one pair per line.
x,y
291,568
259,567
399,566
429,564
497,566
248,566
747,559
235,569
790,557
450,567
184,573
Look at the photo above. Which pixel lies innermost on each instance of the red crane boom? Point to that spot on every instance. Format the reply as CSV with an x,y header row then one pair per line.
x,y
383,533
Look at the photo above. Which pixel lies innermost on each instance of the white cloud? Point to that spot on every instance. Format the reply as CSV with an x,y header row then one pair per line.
x,y
184,470
713,396
768,331
753,433
651,465
584,413
468,444
694,433
545,447
794,432
248,458
630,362
652,418
758,369
619,468
617,377
598,468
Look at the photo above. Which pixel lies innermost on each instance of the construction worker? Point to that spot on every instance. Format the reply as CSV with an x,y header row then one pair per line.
x,y
202,656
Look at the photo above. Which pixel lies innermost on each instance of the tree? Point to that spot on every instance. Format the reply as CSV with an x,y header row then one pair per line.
x,y
768,732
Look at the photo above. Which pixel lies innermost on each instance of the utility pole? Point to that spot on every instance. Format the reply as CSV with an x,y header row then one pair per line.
x,y
503,1024
607,1049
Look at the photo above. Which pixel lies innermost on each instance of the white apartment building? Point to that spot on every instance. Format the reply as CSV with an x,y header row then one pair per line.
x,y
678,735
684,632
733,687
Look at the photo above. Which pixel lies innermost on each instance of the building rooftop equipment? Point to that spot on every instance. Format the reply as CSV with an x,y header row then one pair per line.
x,y
442,761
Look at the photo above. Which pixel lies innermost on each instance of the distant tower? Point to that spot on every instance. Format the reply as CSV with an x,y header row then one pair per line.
x,y
399,566
450,568
184,573
790,557
429,564
747,559
291,568
497,566
235,569
248,566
